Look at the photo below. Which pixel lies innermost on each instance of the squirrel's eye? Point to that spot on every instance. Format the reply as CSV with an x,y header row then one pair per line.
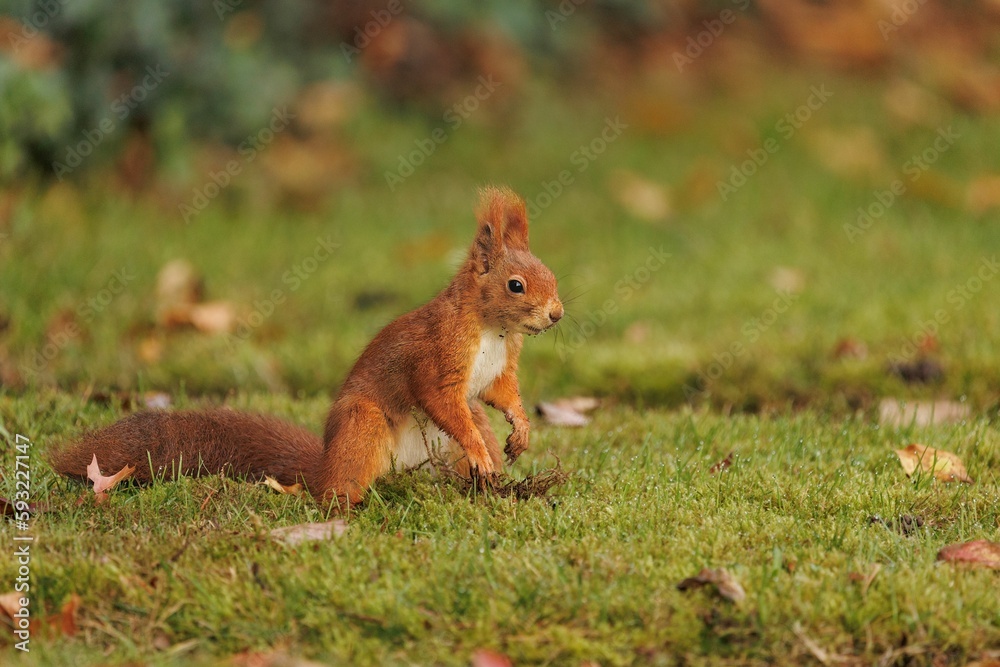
x,y
515,286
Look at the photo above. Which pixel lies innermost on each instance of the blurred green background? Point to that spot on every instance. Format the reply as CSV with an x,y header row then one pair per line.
x,y
753,204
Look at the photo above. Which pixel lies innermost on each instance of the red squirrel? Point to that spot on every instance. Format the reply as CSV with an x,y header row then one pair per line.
x,y
420,383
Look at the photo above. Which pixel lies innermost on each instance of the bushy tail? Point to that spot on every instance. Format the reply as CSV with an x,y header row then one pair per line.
x,y
165,444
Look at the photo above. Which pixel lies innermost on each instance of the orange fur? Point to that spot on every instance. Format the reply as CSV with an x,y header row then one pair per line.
x,y
426,361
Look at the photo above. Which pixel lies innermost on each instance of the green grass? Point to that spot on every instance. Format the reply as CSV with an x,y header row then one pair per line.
x,y
426,575
65,244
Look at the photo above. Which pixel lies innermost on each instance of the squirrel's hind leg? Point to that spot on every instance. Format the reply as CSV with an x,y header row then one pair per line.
x,y
357,452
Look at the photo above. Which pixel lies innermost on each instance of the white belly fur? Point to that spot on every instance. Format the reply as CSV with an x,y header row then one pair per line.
x,y
417,437
491,357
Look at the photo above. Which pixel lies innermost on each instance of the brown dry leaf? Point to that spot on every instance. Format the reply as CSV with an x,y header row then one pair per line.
x,y
944,465
10,604
724,583
291,489
894,412
178,285
698,185
787,279
980,553
849,348
102,483
150,349
8,508
640,196
637,332
912,104
722,465
865,579
326,105
983,194
65,621
486,658
214,317
568,411
853,153
309,532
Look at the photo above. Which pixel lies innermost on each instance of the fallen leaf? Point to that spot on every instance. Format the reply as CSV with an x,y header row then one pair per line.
x,y
849,348
787,279
8,508
178,285
291,489
724,582
10,604
102,483
894,412
981,553
150,349
722,465
865,579
911,104
855,152
309,532
568,411
214,317
66,619
487,658
921,371
640,196
983,194
637,333
157,400
944,465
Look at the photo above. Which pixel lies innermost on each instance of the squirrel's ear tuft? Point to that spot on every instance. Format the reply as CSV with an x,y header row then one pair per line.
x,y
506,213
485,248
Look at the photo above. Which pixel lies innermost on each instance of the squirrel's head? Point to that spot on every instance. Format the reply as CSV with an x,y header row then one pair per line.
x,y
517,291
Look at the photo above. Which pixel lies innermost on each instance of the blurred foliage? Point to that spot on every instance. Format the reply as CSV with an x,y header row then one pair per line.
x,y
152,80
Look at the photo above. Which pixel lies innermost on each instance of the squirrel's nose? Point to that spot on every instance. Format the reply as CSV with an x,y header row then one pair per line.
x,y
556,314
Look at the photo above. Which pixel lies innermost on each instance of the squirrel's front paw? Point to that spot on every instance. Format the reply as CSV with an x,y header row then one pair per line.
x,y
480,463
517,442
